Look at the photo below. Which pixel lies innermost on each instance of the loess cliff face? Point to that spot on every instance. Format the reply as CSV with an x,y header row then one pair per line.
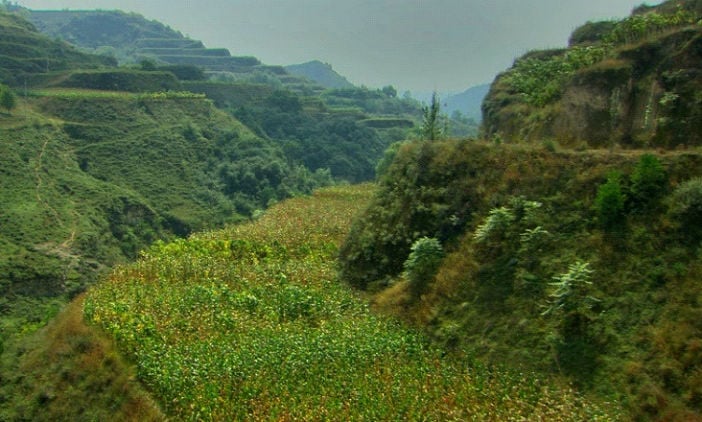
x,y
635,83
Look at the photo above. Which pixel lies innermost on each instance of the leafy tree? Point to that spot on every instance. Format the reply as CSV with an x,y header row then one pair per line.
x,y
686,205
647,181
423,263
7,98
390,91
609,203
431,126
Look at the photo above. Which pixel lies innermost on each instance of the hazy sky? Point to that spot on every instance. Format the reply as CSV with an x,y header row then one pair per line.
x,y
417,45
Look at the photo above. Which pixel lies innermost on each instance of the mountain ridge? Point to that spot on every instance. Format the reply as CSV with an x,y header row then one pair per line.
x,y
321,73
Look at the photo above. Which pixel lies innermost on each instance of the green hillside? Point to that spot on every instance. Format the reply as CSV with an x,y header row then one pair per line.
x,y
131,38
250,323
578,264
24,52
634,83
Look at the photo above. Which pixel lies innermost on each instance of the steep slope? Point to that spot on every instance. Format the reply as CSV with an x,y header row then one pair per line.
x,y
249,323
633,83
91,177
576,264
321,73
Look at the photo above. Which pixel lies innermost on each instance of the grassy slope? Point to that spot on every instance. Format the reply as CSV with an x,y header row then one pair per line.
x,y
250,323
638,344
91,177
73,372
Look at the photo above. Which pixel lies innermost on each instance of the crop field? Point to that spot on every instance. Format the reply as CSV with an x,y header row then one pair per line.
x,y
250,323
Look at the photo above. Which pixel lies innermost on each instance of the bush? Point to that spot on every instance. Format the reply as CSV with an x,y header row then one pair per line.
x,y
609,203
647,181
423,263
686,205
7,98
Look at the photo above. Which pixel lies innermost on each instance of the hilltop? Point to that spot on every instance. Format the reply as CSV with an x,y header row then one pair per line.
x,y
321,73
131,38
632,83
24,52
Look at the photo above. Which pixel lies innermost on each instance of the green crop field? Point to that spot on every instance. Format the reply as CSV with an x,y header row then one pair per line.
x,y
250,322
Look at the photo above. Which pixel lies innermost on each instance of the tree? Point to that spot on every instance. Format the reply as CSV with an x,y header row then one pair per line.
x,y
7,98
390,91
648,181
609,203
431,128
423,263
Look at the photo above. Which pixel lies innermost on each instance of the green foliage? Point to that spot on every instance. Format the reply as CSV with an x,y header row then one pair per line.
x,y
686,205
388,156
123,80
7,98
538,78
648,181
348,149
248,323
422,263
616,337
431,129
639,26
570,291
24,52
609,203
497,222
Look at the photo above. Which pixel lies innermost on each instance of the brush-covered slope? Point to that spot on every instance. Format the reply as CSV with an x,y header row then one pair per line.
x,y
24,52
251,323
635,82
90,178
579,264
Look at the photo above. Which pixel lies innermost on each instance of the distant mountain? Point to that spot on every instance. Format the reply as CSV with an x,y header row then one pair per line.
x,y
321,73
468,102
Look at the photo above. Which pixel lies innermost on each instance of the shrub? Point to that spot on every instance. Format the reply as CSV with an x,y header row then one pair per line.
x,y
647,181
498,221
423,263
686,204
570,290
7,98
609,203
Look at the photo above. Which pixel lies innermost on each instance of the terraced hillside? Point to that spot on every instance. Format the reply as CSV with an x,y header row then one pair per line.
x,y
131,38
24,53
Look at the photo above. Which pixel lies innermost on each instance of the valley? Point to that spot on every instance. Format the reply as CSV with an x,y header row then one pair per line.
x,y
189,234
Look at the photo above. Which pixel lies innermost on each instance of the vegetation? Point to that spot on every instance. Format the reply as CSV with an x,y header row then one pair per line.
x,y
548,266
24,53
7,98
589,93
423,263
549,283
610,203
321,73
431,124
249,323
